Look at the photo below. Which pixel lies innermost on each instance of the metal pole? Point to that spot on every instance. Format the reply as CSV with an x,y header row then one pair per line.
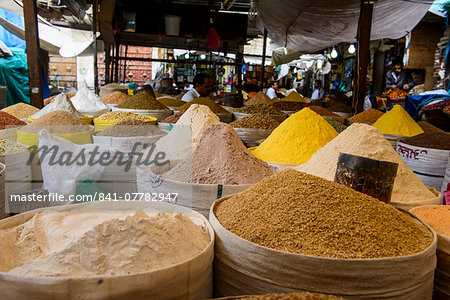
x,y
363,53
261,83
94,32
33,56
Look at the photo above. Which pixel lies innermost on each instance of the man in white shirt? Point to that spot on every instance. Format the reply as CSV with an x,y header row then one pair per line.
x,y
272,91
202,87
318,92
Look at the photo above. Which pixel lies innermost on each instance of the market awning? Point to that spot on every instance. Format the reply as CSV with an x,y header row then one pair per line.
x,y
67,42
312,25
56,40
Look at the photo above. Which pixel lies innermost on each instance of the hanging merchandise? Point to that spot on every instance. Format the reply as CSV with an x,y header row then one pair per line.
x,y
213,39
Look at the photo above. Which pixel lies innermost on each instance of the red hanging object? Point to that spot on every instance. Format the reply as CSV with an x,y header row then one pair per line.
x,y
213,38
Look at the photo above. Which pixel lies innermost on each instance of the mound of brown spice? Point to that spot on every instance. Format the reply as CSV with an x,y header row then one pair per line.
x,y
296,212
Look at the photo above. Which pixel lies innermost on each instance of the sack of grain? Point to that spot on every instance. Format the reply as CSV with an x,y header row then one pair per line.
x,y
225,117
17,174
198,197
393,139
442,274
427,163
125,143
9,134
250,136
158,114
245,268
190,279
279,118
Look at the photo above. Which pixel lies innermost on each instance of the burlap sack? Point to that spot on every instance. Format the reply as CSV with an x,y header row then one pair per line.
x,y
245,268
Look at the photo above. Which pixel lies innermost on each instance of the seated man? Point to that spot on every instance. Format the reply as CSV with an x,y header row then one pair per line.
x,y
397,78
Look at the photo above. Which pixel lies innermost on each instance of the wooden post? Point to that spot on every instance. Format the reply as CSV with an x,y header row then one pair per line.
x,y
125,65
116,61
107,63
239,61
363,53
261,83
33,56
111,76
94,31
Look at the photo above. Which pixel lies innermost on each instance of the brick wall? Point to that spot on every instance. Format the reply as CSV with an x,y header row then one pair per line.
x,y
138,71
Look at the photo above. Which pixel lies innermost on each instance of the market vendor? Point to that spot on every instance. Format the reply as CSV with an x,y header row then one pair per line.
x,y
318,92
272,91
397,78
202,87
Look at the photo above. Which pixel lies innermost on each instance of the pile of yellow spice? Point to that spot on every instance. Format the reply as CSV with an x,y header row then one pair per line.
x,y
397,121
296,139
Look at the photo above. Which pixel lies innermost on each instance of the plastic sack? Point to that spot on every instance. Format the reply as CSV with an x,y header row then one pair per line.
x,y
88,103
72,163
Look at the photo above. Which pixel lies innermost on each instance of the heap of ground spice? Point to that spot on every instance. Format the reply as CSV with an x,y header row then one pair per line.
x,y
295,212
21,110
142,101
288,105
115,98
198,117
338,126
117,116
292,296
170,101
260,108
60,102
114,86
216,108
438,217
49,99
397,121
367,116
57,121
256,121
367,141
427,127
259,97
296,139
434,140
173,118
322,111
220,158
294,97
130,127
8,121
